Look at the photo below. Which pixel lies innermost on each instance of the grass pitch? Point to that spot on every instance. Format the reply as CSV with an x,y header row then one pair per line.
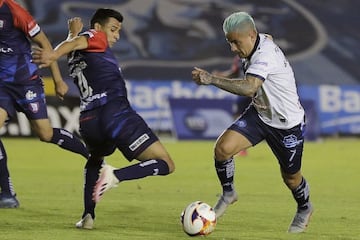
x,y
49,184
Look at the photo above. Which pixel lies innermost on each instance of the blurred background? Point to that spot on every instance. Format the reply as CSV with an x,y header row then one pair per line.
x,y
162,40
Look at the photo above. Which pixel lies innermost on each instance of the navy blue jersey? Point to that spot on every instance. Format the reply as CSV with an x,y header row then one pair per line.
x,y
107,121
96,72
16,26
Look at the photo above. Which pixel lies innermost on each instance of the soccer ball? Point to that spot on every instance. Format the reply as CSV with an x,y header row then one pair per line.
x,y
198,219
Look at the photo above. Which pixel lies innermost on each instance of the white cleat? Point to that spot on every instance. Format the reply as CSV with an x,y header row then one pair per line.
x,y
223,202
107,180
301,220
86,223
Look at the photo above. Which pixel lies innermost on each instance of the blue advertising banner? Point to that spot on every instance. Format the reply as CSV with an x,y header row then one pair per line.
x,y
208,118
337,107
201,118
150,99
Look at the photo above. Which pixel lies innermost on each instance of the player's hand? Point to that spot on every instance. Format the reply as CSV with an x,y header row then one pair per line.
x,y
42,57
61,88
75,26
201,77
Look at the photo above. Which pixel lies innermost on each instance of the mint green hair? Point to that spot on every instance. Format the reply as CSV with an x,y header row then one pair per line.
x,y
238,22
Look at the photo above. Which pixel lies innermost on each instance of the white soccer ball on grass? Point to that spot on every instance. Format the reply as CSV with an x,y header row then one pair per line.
x,y
198,219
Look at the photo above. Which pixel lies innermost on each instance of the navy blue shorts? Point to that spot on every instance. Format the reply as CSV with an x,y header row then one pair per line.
x,y
115,125
28,99
286,144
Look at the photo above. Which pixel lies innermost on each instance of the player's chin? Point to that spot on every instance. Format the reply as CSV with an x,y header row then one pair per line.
x,y
241,55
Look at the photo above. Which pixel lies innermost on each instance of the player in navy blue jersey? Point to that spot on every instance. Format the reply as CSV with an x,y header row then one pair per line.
x,y
107,121
21,88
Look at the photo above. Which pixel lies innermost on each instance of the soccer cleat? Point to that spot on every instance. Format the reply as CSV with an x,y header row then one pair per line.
x,y
301,220
9,202
223,202
86,223
106,180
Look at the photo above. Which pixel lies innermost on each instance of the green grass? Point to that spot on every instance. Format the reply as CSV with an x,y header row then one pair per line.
x,y
49,182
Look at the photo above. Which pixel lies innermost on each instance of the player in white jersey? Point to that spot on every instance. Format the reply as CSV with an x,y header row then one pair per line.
x,y
275,114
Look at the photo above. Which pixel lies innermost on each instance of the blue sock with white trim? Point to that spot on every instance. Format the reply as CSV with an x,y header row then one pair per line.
x,y
143,169
68,141
302,194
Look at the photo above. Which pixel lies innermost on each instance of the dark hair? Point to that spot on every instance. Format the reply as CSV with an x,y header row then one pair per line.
x,y
102,16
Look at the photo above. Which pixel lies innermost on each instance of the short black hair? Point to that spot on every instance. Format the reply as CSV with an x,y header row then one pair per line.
x,y
102,16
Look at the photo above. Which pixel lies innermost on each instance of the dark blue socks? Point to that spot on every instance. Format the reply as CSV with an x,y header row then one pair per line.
x,y
142,169
225,172
68,141
301,195
5,182
91,173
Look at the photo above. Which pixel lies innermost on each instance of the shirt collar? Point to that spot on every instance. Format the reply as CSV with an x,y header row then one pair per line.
x,y
255,46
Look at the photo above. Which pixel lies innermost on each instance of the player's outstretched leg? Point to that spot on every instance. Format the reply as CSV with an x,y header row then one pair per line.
x,y
106,180
110,177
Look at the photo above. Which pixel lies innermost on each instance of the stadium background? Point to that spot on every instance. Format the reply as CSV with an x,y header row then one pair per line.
x,y
162,40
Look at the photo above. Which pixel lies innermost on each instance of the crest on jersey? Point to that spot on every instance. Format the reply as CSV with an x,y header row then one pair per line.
x,y
241,123
34,107
30,95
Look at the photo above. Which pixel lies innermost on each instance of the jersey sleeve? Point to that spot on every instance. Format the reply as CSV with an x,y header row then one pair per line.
x,y
23,20
260,66
97,41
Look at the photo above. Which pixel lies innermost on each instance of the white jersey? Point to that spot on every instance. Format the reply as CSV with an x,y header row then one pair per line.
x,y
276,101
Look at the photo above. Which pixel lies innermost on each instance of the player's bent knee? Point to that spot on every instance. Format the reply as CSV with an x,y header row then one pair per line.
x,y
223,152
292,180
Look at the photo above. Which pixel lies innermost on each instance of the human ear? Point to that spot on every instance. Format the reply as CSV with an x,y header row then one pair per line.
x,y
97,26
